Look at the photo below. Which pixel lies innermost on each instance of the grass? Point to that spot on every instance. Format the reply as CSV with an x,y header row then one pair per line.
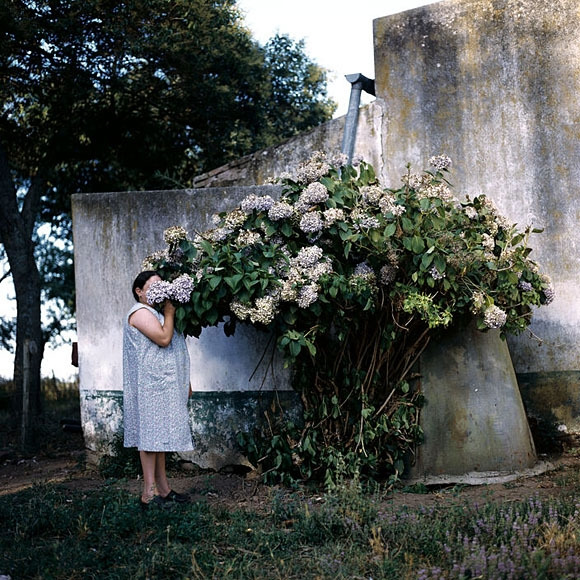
x,y
49,532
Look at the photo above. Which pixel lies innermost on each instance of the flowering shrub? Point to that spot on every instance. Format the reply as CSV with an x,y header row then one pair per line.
x,y
353,279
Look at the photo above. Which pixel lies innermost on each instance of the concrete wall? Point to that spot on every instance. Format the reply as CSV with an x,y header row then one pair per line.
x,y
491,83
494,84
257,168
113,233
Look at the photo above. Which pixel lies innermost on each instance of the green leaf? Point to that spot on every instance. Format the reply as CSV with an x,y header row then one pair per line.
x,y
426,260
286,229
440,263
407,224
347,249
214,282
233,281
295,348
417,244
390,230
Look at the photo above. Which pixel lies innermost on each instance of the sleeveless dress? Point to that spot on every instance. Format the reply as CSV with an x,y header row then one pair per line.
x,y
155,390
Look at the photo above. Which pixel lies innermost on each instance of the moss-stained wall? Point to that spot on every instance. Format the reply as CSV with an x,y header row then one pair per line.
x,y
494,84
113,233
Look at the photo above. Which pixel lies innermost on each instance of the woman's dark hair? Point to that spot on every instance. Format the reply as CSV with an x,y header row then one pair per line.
x,y
141,280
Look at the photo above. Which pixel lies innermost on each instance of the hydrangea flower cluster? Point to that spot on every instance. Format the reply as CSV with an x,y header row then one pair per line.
x,y
174,235
314,194
254,203
280,210
159,292
313,169
494,317
178,291
311,222
440,162
309,208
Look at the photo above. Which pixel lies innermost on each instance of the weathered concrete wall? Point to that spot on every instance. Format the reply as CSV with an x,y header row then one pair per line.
x,y
113,233
494,84
491,83
257,168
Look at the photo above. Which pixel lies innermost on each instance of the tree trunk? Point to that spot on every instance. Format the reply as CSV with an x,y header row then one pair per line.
x,y
16,229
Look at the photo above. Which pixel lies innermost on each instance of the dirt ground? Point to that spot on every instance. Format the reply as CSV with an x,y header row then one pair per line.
x,y
246,491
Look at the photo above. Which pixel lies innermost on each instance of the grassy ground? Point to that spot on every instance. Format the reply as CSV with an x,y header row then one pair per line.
x,y
52,532
58,531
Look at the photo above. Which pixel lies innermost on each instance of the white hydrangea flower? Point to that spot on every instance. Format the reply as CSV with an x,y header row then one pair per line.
x,y
181,288
311,222
440,162
174,235
333,215
248,238
254,202
265,310
471,212
307,295
159,292
235,219
315,168
151,261
280,210
308,256
435,274
494,317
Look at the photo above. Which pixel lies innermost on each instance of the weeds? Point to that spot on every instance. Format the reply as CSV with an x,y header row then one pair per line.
x,y
54,533
349,532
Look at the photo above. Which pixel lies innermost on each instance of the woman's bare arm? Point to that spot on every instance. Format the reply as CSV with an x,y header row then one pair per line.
x,y
147,323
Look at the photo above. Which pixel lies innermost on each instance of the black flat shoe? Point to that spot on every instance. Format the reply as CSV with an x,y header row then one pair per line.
x,y
157,502
173,496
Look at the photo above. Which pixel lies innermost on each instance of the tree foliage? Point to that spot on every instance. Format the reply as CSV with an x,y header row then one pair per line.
x,y
102,95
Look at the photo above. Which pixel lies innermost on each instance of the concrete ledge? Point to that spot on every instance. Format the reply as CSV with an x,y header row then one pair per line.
x,y
483,477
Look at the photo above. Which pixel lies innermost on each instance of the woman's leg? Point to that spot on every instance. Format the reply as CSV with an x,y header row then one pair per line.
x,y
161,476
149,466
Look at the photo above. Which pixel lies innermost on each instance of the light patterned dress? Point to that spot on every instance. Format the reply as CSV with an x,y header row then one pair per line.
x,y
155,390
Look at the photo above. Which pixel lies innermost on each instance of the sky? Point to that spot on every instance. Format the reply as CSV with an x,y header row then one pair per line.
x,y
338,36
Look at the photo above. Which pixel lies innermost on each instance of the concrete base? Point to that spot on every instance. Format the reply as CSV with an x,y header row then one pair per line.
x,y
474,423
482,477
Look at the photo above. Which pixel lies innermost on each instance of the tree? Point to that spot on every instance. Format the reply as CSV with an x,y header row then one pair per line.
x,y
102,95
298,88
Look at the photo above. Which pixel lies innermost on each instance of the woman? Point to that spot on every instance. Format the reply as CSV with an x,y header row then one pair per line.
x,y
155,390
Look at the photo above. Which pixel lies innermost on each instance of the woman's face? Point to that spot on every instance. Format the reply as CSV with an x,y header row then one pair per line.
x,y
142,292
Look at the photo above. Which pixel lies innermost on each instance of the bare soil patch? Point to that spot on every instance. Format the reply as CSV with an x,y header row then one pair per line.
x,y
246,491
